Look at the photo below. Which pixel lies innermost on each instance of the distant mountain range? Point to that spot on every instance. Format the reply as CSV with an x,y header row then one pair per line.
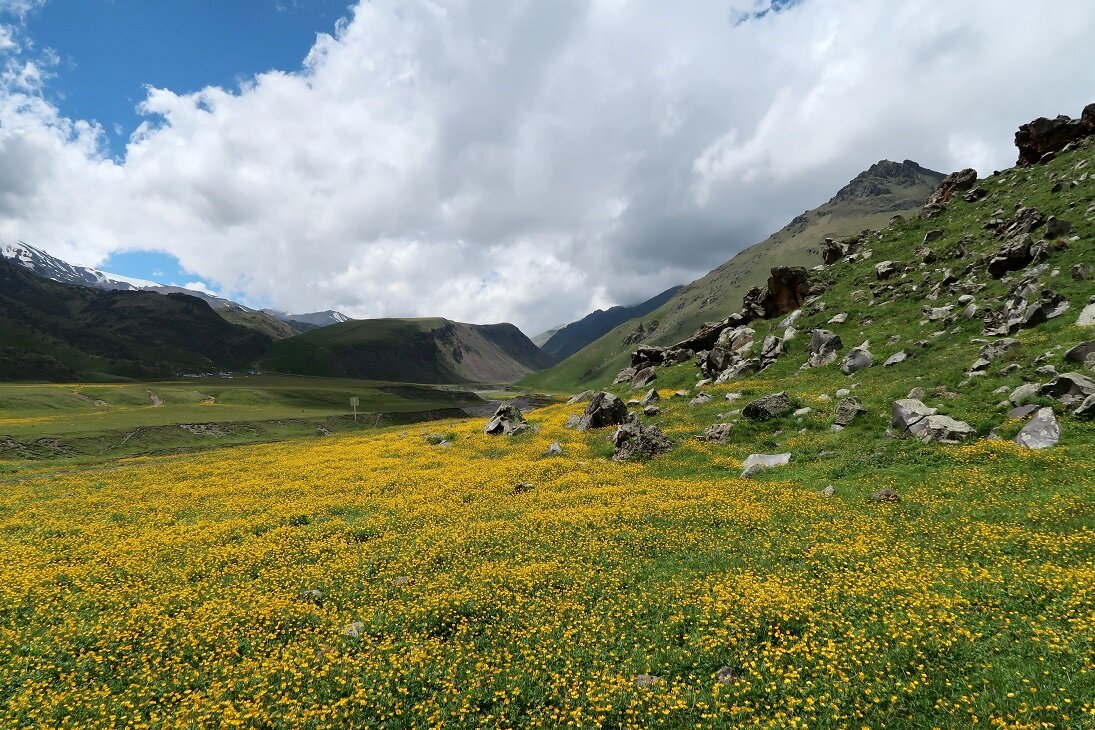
x,y
428,350
270,322
73,323
566,340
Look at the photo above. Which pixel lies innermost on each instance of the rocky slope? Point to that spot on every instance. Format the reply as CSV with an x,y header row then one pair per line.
x,y
431,350
868,201
973,319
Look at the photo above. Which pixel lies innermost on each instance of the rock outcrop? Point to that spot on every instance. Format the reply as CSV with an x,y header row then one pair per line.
x,y
507,421
604,409
633,440
1044,136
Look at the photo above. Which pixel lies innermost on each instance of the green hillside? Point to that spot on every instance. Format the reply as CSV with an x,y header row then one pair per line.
x,y
52,331
429,350
869,201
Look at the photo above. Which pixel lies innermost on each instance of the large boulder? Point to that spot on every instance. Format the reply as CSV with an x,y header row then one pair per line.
x,y
604,409
1038,138
644,377
953,183
1069,388
1014,254
1087,316
823,348
908,417
885,269
719,433
1081,352
945,430
756,463
770,350
786,290
506,421
770,406
634,440
1086,409
857,359
625,376
847,410
1042,431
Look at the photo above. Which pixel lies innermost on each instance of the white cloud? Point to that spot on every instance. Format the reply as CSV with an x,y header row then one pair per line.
x,y
530,161
200,286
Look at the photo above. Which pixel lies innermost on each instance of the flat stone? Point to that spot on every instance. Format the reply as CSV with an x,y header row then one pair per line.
x,y
1022,411
756,463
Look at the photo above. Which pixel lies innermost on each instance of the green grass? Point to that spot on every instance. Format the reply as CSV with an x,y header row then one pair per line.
x,y
63,421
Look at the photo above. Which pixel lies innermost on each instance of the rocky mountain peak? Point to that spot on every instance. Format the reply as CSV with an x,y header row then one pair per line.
x,y
881,178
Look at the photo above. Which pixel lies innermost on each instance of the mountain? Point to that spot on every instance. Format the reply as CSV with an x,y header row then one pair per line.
x,y
273,324
869,200
570,338
54,331
50,267
309,320
431,350
540,339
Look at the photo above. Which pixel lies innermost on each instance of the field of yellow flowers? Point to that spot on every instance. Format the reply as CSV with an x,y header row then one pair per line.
x,y
383,581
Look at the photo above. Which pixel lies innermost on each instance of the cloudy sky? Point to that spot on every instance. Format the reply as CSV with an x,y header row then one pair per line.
x,y
509,160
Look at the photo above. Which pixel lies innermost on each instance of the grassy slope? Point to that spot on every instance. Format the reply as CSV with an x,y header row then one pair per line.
x,y
719,293
63,421
428,350
968,603
261,322
109,334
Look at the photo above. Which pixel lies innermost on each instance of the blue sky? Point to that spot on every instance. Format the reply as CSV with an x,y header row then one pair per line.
x,y
108,51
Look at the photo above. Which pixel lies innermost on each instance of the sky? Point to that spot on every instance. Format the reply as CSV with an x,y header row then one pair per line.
x,y
490,160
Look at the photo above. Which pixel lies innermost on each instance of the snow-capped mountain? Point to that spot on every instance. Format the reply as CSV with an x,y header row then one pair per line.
x,y
50,267
313,319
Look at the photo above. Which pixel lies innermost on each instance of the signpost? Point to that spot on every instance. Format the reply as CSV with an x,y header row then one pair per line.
x,y
355,401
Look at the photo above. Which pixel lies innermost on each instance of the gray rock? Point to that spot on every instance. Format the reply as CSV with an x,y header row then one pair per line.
x,y
573,422
1081,352
1087,317
823,348
858,358
582,397
1081,272
829,491
770,350
917,393
945,430
719,433
644,377
651,411
885,269
1055,227
1013,255
650,397
733,397
645,681
604,409
790,319
556,449
1069,388
522,488
993,351
507,421
1041,432
839,318
354,629
756,463
802,412
736,339
979,365
1086,409
908,416
726,675
625,376
634,440
847,411
700,400
770,406
895,358
1023,393
1022,411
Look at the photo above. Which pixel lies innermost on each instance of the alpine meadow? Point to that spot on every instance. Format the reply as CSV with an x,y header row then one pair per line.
x,y
454,450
